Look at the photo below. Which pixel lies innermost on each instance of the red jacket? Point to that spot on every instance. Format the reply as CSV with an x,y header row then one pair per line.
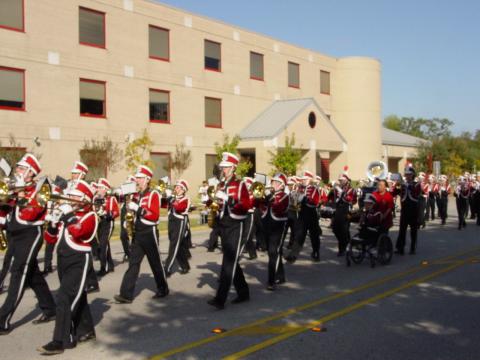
x,y
238,202
111,207
179,206
385,205
149,207
312,196
279,206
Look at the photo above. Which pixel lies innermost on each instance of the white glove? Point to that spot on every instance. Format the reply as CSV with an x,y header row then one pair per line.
x,y
168,193
3,220
101,212
222,195
133,206
268,192
55,216
19,181
300,197
65,209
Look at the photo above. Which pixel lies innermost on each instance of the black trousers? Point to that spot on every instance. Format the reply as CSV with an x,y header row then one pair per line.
x,y
307,222
7,262
73,317
248,232
231,232
421,213
213,237
178,248
430,211
291,223
123,233
92,279
104,232
24,270
408,217
47,261
275,232
476,203
341,227
143,244
471,203
261,243
442,205
462,210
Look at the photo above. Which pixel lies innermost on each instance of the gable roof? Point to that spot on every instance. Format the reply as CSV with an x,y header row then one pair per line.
x,y
392,137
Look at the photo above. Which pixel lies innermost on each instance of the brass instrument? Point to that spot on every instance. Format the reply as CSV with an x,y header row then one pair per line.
x,y
9,192
377,170
161,186
214,207
3,241
129,219
259,190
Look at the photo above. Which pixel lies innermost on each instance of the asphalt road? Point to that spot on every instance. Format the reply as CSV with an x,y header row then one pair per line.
x,y
423,306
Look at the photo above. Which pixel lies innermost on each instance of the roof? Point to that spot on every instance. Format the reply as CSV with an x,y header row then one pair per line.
x,y
277,117
392,137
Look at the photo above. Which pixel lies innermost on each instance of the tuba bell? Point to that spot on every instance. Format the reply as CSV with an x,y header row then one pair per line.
x,y
377,170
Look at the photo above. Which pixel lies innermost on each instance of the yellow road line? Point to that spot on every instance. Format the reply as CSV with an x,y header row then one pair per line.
x,y
297,309
342,312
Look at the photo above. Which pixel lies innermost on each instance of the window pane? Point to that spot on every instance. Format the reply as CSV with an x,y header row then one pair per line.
x,y
324,82
11,14
256,66
92,98
159,102
158,43
162,165
212,55
11,88
293,74
213,112
210,161
92,29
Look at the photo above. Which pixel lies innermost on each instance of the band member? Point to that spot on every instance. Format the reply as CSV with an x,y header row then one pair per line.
x,y
476,197
8,257
462,194
410,193
234,200
123,231
293,209
344,197
249,225
106,207
384,205
145,239
178,207
422,200
24,231
444,191
73,226
275,225
308,220
432,195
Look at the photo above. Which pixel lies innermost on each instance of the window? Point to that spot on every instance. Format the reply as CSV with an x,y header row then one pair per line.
x,y
162,164
210,163
312,120
256,66
213,112
12,89
92,98
159,106
91,27
213,56
11,14
293,75
158,43
325,82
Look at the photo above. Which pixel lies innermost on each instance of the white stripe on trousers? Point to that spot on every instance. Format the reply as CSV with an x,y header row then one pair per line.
x,y
239,249
282,239
24,275
158,249
169,266
108,244
80,289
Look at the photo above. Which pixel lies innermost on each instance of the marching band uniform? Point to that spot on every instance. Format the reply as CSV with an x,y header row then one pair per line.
x,y
422,200
123,231
476,198
410,194
178,207
24,228
73,230
293,209
145,242
444,191
462,194
432,195
235,202
249,225
8,257
107,213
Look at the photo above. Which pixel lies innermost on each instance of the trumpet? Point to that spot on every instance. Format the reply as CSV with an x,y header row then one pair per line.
x,y
214,207
259,190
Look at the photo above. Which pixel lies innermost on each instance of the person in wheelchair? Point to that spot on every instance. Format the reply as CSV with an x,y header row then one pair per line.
x,y
370,221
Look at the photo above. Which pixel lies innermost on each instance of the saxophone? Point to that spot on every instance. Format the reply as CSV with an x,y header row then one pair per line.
x,y
214,207
3,241
129,219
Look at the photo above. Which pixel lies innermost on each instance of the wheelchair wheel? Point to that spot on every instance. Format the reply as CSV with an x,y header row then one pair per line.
x,y
384,249
356,253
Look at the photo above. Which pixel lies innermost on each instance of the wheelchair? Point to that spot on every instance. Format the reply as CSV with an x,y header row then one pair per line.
x,y
369,243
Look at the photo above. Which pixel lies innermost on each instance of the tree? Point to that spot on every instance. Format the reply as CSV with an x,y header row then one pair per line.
x,y
423,128
14,151
181,160
137,152
287,159
231,146
101,157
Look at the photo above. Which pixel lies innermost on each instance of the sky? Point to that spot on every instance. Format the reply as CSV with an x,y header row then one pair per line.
x,y
429,49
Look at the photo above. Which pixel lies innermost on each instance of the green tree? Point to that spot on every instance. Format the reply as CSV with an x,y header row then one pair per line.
x,y
101,157
286,159
181,160
137,152
423,128
231,145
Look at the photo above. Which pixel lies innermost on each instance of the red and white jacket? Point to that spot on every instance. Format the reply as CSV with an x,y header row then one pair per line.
x,y
32,215
425,188
463,191
111,208
278,206
178,206
74,233
312,196
384,204
343,196
148,213
238,202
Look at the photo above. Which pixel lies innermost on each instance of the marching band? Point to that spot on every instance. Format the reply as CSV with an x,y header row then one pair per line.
x,y
246,214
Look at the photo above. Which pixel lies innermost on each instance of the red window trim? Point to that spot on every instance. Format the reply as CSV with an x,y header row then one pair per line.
x,y
104,28
212,69
263,67
294,86
104,116
169,121
169,159
221,114
22,29
158,57
24,107
322,92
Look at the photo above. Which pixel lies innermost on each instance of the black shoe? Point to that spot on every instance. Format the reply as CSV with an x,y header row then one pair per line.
x,y
125,258
5,331
87,337
47,270
443,222
43,319
211,250
93,289
252,256
101,273
52,348
184,271
399,252
121,300
315,256
161,294
290,259
271,287
280,281
2,289
215,303
341,253
240,299
168,274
